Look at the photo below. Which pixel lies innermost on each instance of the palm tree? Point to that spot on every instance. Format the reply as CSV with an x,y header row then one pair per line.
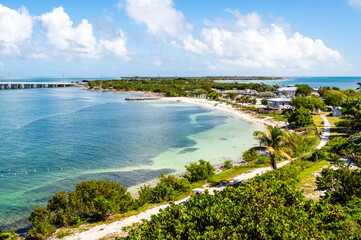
x,y
359,86
275,142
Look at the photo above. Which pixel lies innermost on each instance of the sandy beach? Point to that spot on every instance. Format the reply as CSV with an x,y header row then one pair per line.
x,y
215,105
242,114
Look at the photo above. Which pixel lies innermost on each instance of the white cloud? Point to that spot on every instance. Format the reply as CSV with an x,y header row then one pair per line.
x,y
38,56
116,46
79,41
251,43
157,63
355,3
1,64
159,16
66,38
15,27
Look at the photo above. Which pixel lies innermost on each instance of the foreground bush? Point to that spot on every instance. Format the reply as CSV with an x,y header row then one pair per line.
x,y
262,209
169,188
91,201
8,235
227,165
301,118
341,185
197,172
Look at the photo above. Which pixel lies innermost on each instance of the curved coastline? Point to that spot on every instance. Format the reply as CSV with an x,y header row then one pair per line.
x,y
247,116
244,115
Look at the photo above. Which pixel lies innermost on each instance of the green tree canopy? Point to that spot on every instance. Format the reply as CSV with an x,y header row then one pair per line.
x,y
201,171
310,103
303,90
301,118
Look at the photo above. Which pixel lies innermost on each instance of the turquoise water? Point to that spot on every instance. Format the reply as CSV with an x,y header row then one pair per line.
x,y
340,82
53,138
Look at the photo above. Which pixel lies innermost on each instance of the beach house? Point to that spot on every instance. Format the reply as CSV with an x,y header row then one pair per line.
x,y
337,112
289,91
279,103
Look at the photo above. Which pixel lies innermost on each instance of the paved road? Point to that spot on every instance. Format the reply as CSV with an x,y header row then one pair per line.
x,y
326,133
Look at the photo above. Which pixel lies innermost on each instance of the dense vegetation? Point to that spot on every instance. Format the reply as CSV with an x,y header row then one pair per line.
x,y
275,142
180,86
311,103
8,235
91,201
301,117
201,171
303,90
349,147
268,207
169,188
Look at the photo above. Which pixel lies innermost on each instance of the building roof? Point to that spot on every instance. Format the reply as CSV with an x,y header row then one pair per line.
x,y
287,89
279,99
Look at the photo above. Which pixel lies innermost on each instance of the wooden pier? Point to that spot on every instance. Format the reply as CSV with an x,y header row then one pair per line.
x,y
19,85
142,98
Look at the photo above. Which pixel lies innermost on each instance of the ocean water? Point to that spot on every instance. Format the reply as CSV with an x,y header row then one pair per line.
x,y
340,82
53,138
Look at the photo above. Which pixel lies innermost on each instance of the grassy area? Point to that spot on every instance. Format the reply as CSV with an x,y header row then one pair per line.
x,y
336,131
318,122
307,183
231,173
277,117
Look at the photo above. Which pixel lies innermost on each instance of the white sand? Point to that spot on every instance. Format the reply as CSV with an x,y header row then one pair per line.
x,y
247,116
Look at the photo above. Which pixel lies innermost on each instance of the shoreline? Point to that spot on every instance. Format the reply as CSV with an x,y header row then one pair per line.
x,y
118,228
215,105
241,114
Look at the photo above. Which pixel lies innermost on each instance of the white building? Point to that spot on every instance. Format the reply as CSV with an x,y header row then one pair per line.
x,y
336,112
281,103
289,91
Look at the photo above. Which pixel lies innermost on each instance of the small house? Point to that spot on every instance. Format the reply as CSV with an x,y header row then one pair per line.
x,y
280,103
289,91
337,112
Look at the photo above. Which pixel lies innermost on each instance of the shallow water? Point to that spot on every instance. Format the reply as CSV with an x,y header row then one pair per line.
x,y
53,138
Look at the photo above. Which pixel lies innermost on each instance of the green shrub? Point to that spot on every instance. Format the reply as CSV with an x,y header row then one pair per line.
x,y
169,188
319,155
162,193
250,155
202,171
227,165
343,123
301,118
251,108
341,185
264,209
91,201
303,90
8,235
145,195
264,101
263,160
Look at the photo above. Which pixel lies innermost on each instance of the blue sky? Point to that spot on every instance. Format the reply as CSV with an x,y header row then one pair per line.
x,y
180,38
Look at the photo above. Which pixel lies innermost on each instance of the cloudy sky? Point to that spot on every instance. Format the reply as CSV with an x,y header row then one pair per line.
x,y
180,38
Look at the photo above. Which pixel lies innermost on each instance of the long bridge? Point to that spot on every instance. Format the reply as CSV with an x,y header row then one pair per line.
x,y
18,85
